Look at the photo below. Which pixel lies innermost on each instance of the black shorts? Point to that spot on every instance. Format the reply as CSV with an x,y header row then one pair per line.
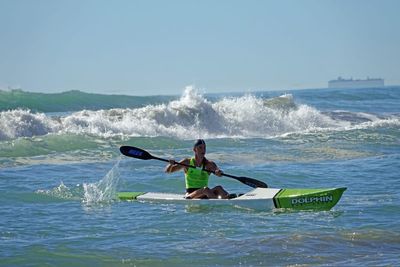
x,y
191,190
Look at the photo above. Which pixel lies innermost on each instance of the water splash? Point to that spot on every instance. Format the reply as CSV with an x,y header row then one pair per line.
x,y
104,190
62,192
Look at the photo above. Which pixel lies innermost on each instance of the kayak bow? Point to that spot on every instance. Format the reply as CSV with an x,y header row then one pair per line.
x,y
258,199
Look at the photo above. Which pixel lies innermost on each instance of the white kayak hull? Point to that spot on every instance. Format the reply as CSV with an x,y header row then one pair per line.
x,y
257,199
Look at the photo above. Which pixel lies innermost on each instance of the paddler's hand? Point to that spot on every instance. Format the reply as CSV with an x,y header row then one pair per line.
x,y
218,172
170,166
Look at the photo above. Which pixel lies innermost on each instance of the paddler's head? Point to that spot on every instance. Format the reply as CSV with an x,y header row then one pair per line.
x,y
199,147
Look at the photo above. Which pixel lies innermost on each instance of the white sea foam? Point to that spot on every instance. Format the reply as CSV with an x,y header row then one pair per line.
x,y
190,117
24,123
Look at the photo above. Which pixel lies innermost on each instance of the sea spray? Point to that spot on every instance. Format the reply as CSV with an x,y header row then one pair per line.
x,y
103,190
63,191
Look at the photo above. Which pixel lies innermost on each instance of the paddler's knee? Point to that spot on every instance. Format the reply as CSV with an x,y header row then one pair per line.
x,y
220,192
218,188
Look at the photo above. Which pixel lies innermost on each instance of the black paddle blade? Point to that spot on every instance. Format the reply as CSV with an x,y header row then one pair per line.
x,y
135,152
252,182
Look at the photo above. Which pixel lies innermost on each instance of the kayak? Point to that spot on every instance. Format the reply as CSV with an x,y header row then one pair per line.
x,y
257,199
261,198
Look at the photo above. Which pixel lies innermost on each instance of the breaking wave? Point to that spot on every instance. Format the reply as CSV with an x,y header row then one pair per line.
x,y
189,117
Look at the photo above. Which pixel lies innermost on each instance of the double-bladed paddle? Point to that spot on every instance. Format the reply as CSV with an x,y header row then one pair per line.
x,y
138,153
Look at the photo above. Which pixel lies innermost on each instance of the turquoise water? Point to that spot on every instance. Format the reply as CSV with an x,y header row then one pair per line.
x,y
60,169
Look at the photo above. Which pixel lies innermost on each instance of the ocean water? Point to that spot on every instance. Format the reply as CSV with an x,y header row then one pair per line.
x,y
60,169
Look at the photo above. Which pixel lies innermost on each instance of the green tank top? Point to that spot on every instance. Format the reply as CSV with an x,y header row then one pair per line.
x,y
196,178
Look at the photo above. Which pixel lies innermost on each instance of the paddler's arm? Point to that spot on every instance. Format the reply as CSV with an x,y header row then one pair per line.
x,y
173,167
214,168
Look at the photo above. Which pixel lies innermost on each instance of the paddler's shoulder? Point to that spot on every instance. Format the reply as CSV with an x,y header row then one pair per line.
x,y
185,161
209,163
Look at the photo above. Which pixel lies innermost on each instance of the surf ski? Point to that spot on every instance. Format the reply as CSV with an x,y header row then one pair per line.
x,y
257,199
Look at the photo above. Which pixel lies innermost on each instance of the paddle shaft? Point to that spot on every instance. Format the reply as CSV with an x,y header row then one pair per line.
x,y
142,154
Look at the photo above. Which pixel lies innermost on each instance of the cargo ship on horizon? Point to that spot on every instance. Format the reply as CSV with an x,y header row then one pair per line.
x,y
358,83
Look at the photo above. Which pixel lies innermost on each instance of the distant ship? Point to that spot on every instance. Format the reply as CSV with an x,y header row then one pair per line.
x,y
350,83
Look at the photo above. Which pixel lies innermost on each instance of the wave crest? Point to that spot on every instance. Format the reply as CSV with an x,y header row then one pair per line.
x,y
192,116
24,123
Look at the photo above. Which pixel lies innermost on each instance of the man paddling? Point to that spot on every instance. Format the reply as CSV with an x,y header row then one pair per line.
x,y
196,179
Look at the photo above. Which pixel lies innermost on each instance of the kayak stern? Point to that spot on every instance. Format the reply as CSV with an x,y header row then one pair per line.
x,y
308,199
129,195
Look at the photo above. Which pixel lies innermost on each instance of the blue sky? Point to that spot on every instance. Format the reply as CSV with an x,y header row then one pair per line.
x,y
159,47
